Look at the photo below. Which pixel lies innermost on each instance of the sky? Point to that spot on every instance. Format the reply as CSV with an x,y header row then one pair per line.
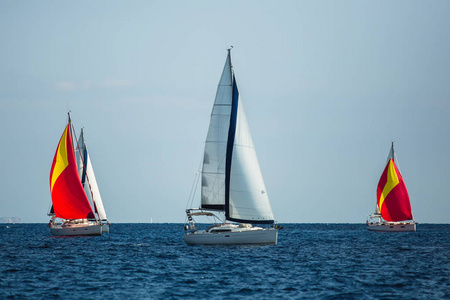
x,y
326,85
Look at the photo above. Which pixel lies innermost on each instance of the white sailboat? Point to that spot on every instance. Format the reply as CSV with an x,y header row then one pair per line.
x,y
232,186
74,190
393,211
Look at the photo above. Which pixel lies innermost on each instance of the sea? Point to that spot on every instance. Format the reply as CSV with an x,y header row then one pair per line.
x,y
151,261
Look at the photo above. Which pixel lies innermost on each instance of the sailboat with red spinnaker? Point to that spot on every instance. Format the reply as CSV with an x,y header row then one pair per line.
x,y
70,202
393,211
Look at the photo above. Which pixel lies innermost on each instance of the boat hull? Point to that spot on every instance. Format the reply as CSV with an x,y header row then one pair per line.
x,y
76,229
392,227
255,237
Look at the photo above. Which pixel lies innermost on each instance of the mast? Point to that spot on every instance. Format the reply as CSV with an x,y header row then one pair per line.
x,y
231,136
393,152
231,65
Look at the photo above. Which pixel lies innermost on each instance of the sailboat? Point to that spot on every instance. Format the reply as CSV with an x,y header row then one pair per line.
x,y
233,194
71,181
393,210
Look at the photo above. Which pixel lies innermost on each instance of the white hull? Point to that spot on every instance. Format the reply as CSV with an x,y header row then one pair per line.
x,y
391,226
250,236
76,229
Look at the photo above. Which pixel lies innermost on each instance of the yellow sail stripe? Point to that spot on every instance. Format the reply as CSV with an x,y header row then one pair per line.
x,y
392,181
62,160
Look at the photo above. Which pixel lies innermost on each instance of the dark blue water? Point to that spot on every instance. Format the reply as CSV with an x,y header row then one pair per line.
x,y
151,261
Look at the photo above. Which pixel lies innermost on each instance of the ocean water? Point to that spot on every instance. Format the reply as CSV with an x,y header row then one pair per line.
x,y
151,261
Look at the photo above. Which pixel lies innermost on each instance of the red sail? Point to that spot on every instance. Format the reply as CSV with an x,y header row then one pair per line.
x,y
392,196
68,197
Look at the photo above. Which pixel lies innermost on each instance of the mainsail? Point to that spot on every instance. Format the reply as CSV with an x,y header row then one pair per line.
x,y
68,197
231,176
392,197
213,170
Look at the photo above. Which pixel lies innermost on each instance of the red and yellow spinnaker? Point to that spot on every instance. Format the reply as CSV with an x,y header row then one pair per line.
x,y
68,196
392,196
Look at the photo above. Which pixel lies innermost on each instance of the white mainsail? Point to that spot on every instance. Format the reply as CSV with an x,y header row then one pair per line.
x,y
213,170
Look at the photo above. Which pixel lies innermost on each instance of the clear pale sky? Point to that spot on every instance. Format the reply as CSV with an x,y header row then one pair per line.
x,y
327,86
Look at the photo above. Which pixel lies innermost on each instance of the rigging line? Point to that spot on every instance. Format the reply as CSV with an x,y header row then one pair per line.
x,y
193,190
194,185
